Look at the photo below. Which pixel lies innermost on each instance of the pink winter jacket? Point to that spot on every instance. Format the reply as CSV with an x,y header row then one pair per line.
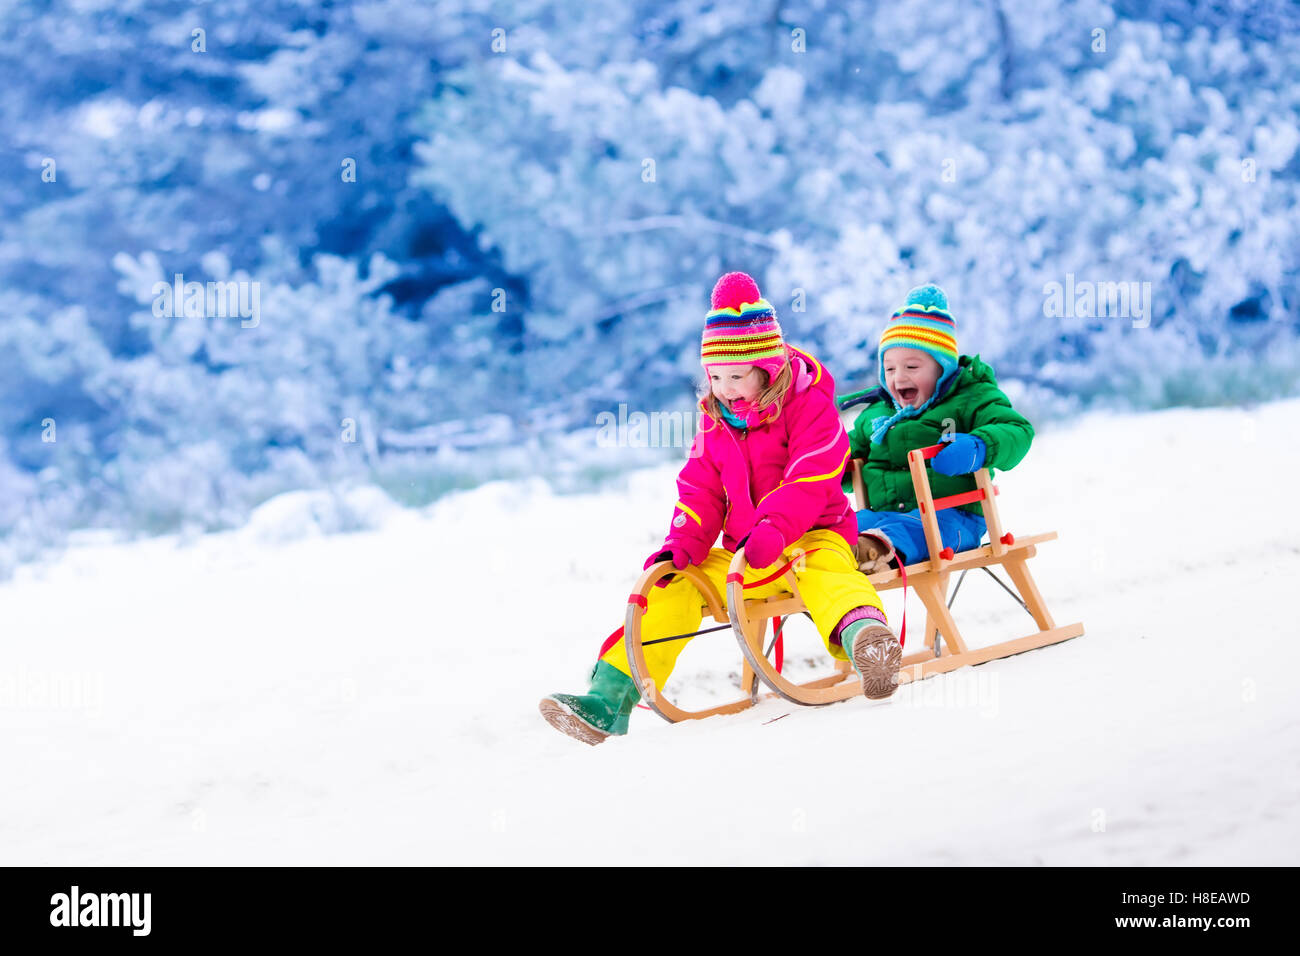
x,y
786,472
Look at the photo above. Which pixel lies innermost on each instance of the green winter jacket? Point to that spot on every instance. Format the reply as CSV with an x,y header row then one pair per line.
x,y
972,403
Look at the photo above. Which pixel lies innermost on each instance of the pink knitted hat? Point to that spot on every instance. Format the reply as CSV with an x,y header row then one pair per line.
x,y
741,328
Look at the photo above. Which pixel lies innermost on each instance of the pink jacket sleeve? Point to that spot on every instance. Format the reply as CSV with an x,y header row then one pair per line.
x,y
701,505
818,450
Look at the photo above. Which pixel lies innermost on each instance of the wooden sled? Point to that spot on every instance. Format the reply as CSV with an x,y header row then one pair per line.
x,y
944,648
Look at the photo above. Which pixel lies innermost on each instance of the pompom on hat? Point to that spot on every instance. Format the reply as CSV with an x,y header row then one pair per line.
x,y
741,327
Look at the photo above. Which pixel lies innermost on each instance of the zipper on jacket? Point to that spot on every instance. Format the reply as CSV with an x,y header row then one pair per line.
x,y
749,490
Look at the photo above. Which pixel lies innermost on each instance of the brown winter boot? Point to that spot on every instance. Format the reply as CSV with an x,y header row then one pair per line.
x,y
873,551
876,655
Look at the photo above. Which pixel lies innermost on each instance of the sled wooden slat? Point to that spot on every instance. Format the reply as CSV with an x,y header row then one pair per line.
x,y
859,488
990,509
1019,573
916,670
925,501
980,557
783,605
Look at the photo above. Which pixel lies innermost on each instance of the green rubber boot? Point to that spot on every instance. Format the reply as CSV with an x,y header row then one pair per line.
x,y
600,713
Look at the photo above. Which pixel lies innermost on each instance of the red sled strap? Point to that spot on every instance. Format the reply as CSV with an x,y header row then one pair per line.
x,y
779,573
902,637
640,601
610,642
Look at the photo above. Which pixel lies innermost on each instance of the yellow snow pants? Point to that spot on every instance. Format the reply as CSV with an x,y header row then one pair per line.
x,y
829,581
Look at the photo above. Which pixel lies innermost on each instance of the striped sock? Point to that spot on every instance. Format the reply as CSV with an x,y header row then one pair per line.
x,y
857,620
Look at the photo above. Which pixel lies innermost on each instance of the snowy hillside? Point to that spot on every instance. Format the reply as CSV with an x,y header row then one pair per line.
x,y
275,695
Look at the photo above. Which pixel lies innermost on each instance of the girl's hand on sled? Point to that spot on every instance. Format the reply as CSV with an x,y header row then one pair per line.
x,y
964,454
677,556
763,546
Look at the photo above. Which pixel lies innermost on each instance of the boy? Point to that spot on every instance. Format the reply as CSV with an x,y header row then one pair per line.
x,y
928,394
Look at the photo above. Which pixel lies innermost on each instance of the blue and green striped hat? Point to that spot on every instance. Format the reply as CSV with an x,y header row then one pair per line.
x,y
924,323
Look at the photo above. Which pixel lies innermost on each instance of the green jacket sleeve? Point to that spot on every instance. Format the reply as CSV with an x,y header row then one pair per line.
x,y
1004,430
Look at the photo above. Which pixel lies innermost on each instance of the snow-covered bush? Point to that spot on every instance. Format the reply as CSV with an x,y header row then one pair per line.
x,y
475,228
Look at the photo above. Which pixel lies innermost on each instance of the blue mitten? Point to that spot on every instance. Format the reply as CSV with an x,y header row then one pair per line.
x,y
964,454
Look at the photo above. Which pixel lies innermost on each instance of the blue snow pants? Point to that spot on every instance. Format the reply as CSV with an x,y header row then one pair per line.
x,y
958,529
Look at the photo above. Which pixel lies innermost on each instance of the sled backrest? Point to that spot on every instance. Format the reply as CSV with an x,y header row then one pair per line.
x,y
985,493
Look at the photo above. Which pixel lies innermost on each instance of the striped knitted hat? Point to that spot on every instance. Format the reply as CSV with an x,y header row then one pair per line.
x,y
741,328
923,323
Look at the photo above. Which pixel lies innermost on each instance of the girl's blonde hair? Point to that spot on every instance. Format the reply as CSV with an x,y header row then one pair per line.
x,y
773,393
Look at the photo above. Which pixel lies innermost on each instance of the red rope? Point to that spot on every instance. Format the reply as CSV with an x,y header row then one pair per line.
x,y
902,573
780,572
640,601
610,642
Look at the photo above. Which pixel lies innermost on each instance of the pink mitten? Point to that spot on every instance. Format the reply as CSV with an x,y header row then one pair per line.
x,y
678,557
763,546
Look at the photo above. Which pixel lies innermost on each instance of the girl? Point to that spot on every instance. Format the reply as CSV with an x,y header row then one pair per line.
x,y
764,472
928,395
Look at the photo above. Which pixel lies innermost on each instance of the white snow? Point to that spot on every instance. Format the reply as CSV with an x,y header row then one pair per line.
x,y
267,698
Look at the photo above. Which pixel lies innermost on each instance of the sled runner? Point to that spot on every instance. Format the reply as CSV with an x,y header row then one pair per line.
x,y
943,647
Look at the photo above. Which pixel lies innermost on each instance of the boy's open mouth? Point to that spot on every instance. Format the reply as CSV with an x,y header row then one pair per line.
x,y
907,395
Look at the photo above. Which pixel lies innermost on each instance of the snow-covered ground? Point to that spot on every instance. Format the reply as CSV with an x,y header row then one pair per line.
x,y
275,695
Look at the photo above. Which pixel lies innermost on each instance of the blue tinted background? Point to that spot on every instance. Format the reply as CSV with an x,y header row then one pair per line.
x,y
544,193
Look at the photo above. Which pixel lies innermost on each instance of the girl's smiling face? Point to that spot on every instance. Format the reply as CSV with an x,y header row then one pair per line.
x,y
910,375
732,383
